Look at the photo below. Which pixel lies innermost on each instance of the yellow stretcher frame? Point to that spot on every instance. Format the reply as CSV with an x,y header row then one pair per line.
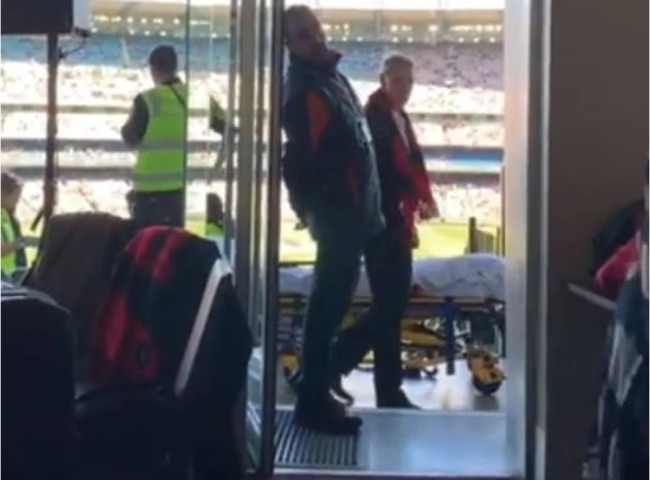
x,y
424,347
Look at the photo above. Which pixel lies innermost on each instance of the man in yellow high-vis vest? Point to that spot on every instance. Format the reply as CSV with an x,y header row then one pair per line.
x,y
215,217
13,250
157,130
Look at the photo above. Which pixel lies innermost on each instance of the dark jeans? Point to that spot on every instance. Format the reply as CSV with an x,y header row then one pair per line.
x,y
388,259
339,241
158,208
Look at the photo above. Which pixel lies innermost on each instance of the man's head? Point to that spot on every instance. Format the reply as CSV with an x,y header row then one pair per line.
x,y
303,33
397,78
215,210
11,188
163,64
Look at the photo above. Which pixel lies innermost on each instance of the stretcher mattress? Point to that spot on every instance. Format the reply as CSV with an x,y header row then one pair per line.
x,y
474,275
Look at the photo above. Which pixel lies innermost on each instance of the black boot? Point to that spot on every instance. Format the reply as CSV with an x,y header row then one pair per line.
x,y
336,387
339,391
293,381
324,414
395,400
345,358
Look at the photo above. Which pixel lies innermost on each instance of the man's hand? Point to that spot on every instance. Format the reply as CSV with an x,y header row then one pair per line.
x,y
415,238
428,210
12,247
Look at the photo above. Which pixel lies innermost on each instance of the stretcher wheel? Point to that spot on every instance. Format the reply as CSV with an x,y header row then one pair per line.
x,y
430,372
411,373
291,379
485,388
287,372
289,362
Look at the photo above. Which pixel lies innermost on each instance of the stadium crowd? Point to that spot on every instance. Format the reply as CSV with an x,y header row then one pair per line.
x,y
457,80
451,78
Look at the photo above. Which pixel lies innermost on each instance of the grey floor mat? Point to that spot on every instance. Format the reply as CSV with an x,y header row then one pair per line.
x,y
299,448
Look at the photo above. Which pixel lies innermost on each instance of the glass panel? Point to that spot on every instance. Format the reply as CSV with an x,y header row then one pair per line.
x,y
270,172
246,271
258,227
23,96
255,258
229,151
258,366
209,210
97,82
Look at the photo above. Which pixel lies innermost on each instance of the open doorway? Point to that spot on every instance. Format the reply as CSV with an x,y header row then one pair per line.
x,y
456,108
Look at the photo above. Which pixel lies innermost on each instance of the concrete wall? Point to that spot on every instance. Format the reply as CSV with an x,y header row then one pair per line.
x,y
576,140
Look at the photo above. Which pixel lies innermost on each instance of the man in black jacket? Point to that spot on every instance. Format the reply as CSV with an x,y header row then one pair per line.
x,y
331,175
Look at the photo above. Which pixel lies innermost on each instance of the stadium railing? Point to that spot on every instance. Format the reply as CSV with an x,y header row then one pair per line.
x,y
483,238
100,107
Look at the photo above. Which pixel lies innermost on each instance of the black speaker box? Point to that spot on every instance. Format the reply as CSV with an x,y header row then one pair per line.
x,y
39,17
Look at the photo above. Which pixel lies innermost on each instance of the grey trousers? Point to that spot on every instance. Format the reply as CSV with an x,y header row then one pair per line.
x,y
158,208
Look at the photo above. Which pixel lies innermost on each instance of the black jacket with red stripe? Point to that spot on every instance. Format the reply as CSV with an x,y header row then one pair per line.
x,y
328,161
171,319
148,314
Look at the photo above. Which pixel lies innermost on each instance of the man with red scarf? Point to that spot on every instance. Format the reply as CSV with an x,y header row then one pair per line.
x,y
406,195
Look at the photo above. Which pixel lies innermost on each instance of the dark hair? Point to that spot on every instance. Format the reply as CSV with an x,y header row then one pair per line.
x,y
163,59
290,15
214,204
9,182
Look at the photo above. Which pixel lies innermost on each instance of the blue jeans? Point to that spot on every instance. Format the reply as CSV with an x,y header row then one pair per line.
x,y
339,238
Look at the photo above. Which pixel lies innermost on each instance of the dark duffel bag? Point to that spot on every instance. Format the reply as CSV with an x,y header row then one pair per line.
x,y
39,439
130,434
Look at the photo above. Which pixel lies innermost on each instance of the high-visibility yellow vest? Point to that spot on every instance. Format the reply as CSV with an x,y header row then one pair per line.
x,y
215,233
9,261
213,230
160,166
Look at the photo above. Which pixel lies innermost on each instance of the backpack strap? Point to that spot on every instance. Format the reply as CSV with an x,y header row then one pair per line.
x,y
220,269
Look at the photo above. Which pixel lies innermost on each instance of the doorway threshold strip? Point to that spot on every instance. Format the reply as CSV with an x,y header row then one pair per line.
x,y
297,447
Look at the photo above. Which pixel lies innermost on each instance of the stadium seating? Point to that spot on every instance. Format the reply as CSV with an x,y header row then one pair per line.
x,y
463,79
457,80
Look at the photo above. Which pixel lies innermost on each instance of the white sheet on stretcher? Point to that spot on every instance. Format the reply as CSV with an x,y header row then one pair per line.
x,y
475,275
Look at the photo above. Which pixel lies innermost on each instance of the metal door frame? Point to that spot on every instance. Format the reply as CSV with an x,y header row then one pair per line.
x,y
273,178
252,20
229,137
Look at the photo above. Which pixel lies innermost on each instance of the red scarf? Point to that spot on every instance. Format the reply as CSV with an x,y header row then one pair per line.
x,y
408,163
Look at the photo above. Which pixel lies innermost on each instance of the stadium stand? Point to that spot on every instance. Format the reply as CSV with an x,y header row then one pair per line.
x,y
451,79
457,102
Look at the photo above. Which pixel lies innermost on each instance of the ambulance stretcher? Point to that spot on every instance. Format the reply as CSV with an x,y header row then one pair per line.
x,y
456,311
